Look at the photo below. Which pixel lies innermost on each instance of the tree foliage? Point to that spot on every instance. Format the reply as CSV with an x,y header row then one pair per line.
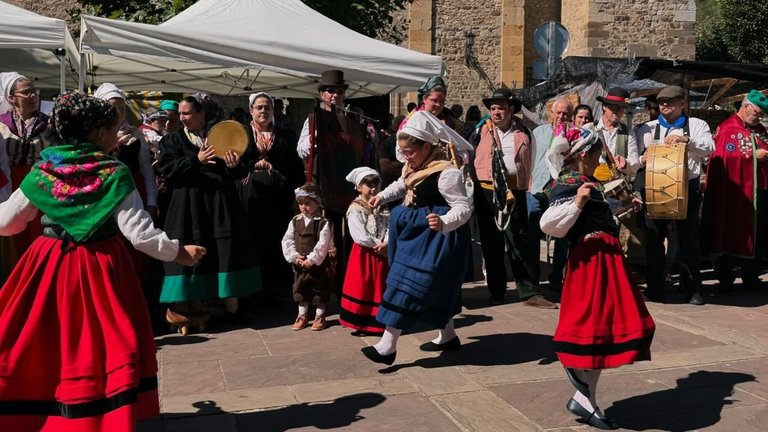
x,y
732,30
370,17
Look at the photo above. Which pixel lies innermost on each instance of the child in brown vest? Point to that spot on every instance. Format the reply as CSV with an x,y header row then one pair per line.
x,y
305,246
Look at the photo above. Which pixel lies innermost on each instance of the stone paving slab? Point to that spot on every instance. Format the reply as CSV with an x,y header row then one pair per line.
x,y
256,372
364,413
709,372
483,411
385,385
229,401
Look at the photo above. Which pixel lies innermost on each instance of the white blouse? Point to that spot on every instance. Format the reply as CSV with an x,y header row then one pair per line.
x,y
451,187
368,231
132,220
319,252
558,219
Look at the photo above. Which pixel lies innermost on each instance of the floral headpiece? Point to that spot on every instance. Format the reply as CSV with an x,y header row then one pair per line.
x,y
569,142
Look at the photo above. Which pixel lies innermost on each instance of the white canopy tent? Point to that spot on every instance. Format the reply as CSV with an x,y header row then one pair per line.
x,y
240,46
38,47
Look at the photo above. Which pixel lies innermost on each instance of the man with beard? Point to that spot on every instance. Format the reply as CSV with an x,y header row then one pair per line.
x,y
737,180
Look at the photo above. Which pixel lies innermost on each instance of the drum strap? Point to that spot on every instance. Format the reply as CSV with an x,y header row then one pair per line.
x,y
657,133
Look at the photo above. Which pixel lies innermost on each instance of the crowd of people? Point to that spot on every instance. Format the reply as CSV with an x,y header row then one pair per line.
x,y
377,218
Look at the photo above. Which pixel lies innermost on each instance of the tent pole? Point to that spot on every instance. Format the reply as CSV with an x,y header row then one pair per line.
x,y
81,73
62,75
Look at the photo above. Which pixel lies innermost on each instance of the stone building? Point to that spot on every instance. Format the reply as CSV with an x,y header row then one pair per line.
x,y
502,53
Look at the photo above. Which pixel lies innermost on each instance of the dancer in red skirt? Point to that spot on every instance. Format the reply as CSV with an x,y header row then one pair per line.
x,y
76,348
367,268
603,320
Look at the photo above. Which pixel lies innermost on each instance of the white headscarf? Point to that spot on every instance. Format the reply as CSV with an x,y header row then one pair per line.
x,y
253,96
301,193
7,79
426,127
358,174
108,91
568,142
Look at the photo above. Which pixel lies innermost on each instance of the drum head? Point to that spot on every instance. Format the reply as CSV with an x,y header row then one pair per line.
x,y
228,135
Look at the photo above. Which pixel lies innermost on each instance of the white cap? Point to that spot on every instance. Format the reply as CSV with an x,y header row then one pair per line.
x,y
108,91
428,128
253,96
358,174
6,82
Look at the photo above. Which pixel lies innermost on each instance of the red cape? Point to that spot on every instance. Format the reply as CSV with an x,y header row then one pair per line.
x,y
733,175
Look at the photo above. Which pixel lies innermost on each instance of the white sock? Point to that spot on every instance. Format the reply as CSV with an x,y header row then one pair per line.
x,y
589,377
445,334
319,312
230,305
303,308
388,343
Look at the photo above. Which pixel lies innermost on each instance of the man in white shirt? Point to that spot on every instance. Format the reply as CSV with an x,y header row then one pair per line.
x,y
562,112
513,141
674,128
615,134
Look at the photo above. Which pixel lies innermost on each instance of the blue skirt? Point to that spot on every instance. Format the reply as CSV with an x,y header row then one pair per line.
x,y
426,270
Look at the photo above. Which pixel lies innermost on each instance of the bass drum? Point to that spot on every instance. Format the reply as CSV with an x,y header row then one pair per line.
x,y
666,182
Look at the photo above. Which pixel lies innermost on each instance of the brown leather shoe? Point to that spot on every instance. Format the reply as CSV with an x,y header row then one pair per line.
x,y
540,302
301,322
319,323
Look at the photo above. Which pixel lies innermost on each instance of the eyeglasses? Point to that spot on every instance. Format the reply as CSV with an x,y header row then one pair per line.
x,y
29,92
758,113
337,90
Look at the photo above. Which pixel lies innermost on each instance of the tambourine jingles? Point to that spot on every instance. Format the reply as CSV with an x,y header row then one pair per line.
x,y
228,135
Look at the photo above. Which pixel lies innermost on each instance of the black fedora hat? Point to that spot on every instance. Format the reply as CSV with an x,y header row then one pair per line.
x,y
616,96
504,94
332,78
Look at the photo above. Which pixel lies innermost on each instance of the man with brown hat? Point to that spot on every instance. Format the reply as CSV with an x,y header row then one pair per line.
x,y
503,161
332,144
737,180
615,133
674,128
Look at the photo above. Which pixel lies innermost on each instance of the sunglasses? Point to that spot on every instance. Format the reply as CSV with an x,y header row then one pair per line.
x,y
337,90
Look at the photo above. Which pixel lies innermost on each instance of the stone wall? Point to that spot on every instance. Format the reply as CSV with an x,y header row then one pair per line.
x,y
626,28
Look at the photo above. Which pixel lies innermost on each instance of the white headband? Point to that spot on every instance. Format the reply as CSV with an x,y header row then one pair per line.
x,y
301,193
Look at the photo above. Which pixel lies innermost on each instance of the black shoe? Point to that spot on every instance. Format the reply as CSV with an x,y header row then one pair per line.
x,y
374,355
591,418
363,333
696,299
452,345
580,385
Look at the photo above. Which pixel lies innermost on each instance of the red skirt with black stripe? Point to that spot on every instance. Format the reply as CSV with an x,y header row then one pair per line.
x,y
76,346
364,285
603,320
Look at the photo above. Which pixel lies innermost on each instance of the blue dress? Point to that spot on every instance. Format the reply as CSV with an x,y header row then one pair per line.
x,y
427,267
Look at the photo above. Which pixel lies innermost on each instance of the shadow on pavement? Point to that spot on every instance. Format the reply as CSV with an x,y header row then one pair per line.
x,y
178,340
694,404
320,415
491,350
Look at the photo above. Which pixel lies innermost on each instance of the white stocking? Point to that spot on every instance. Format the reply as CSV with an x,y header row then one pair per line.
x,y
589,377
388,343
445,334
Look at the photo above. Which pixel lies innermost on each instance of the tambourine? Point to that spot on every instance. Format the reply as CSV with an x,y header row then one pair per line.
x,y
228,135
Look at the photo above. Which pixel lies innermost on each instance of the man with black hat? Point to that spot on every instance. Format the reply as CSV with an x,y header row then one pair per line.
x,y
737,180
508,140
332,144
674,128
615,134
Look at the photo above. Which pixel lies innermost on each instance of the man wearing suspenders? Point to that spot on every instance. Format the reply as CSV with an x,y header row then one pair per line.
x,y
673,127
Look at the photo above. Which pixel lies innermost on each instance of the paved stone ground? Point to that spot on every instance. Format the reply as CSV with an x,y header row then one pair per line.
x,y
709,372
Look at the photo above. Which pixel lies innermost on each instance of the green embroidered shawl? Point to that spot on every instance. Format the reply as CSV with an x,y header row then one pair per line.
x,y
78,187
